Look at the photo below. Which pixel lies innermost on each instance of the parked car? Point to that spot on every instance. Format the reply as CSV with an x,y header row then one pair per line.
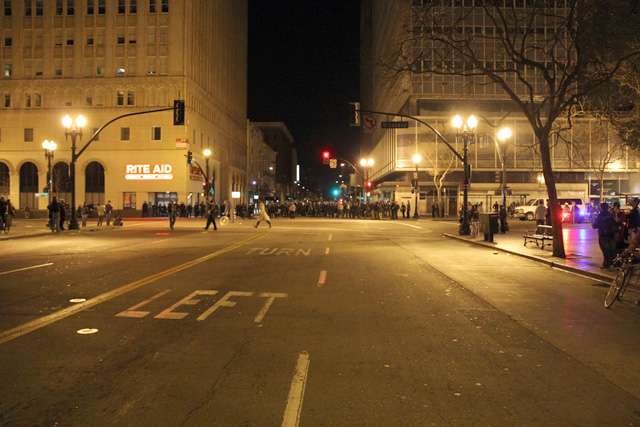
x,y
526,211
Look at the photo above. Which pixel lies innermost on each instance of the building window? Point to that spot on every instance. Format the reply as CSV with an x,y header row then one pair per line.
x,y
39,8
122,7
164,35
28,135
132,35
88,100
27,8
133,6
7,100
152,6
131,66
165,5
156,133
100,70
7,69
128,200
151,66
131,98
70,7
90,7
8,41
125,134
90,40
28,63
7,7
39,65
37,100
120,98
27,100
70,41
101,7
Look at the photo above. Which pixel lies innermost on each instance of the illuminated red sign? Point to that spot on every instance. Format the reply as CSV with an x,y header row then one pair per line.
x,y
148,172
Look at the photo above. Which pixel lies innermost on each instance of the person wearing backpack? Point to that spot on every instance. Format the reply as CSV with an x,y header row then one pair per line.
x,y
607,235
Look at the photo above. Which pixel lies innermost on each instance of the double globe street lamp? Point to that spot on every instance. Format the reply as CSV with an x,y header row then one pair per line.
x,y
468,136
49,148
416,160
73,130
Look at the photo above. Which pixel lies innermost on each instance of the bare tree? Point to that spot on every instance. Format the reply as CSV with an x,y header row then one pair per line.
x,y
596,146
543,57
440,161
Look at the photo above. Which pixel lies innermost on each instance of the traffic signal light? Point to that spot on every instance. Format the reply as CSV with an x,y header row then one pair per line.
x,y
354,114
369,184
189,157
178,112
326,156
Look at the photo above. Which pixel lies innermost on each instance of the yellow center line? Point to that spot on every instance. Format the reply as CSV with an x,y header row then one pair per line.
x,y
69,311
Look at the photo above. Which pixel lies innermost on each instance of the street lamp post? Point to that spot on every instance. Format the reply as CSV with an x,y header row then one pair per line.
x,y
207,153
49,147
416,160
469,137
503,135
73,130
366,164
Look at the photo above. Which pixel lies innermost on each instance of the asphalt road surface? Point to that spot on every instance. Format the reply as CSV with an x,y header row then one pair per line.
x,y
314,322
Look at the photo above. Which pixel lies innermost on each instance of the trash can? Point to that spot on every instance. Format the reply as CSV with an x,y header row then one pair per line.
x,y
488,225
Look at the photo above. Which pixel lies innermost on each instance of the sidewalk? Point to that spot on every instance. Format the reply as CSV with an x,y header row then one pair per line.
x,y
24,228
583,254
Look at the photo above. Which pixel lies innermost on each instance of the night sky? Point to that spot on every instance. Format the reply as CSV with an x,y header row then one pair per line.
x,y
303,71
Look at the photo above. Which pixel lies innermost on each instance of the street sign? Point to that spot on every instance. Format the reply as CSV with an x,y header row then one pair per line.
x,y
42,194
395,125
370,123
333,163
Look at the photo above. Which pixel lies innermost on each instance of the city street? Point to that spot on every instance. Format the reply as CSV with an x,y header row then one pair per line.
x,y
313,322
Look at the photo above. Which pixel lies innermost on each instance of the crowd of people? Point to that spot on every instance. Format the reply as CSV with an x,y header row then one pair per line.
x,y
7,212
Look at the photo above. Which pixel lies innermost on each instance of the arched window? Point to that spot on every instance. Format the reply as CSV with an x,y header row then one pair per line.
x,y
99,98
29,178
151,101
131,97
4,180
94,184
163,98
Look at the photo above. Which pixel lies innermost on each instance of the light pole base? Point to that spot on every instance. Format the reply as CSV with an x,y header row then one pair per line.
x,y
465,229
416,216
73,224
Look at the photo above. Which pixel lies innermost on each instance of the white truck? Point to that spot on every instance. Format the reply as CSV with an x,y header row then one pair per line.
x,y
526,211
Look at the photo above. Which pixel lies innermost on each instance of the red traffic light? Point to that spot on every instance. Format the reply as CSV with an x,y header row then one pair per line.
x,y
369,184
325,157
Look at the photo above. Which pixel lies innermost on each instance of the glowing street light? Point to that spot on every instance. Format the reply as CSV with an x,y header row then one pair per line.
x,y
73,130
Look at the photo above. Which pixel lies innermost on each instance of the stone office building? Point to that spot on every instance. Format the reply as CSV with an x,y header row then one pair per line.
x,y
103,59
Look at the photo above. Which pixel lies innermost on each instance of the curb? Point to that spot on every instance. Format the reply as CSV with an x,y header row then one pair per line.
x,y
560,266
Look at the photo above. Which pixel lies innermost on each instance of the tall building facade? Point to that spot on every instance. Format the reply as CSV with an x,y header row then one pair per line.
x,y
278,137
434,93
104,59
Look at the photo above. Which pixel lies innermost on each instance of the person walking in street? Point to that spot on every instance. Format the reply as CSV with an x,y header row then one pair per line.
x,y
54,209
212,212
101,210
108,210
607,229
172,211
540,215
263,214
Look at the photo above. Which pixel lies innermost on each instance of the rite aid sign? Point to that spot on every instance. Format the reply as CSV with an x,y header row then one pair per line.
x,y
148,172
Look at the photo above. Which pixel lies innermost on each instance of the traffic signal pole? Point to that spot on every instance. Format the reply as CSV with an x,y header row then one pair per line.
x,y
464,230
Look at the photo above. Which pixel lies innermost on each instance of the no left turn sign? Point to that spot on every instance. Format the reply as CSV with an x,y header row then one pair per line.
x,y
370,123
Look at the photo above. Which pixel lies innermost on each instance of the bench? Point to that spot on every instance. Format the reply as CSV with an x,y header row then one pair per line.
x,y
542,233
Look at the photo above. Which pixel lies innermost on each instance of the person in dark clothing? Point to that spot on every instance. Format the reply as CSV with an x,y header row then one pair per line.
x,y
503,219
606,225
212,211
54,208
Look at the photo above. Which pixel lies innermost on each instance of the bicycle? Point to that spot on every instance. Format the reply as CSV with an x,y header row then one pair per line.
x,y
630,265
224,220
